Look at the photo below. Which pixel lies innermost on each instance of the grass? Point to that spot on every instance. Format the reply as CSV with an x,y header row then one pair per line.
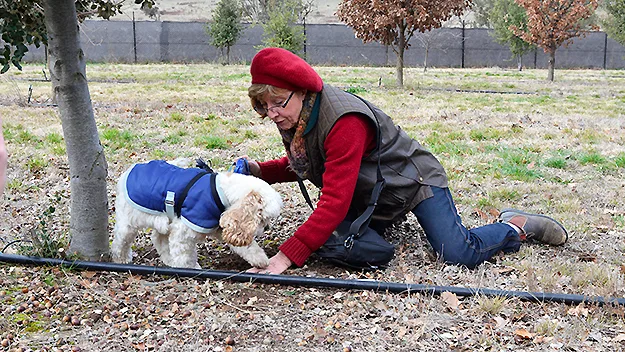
x,y
559,149
36,164
492,305
118,139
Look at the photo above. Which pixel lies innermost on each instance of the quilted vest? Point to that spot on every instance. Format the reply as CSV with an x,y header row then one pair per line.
x,y
147,186
405,164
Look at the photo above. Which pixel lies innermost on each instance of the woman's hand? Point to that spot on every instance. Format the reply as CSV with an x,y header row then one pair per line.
x,y
277,264
253,164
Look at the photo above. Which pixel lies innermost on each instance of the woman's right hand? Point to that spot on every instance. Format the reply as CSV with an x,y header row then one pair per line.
x,y
253,164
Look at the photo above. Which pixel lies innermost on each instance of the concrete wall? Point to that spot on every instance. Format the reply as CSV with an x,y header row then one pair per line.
x,y
331,44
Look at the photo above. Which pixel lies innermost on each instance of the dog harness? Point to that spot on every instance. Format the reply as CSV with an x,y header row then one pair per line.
x,y
190,194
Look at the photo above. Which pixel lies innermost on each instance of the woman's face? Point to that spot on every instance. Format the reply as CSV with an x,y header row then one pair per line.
x,y
284,109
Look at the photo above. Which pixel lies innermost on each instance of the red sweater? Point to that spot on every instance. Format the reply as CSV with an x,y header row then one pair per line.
x,y
351,138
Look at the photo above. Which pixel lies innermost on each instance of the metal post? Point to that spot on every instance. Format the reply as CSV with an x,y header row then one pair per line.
x,y
134,35
305,40
463,38
605,51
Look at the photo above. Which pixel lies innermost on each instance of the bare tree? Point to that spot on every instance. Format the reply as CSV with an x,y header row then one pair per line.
x,y
434,39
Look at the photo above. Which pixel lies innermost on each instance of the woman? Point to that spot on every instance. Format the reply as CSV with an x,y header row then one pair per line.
x,y
330,139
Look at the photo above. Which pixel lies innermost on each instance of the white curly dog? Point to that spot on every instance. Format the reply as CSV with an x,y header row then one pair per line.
x,y
230,206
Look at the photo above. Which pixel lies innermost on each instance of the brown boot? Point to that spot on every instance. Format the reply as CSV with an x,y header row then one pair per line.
x,y
539,227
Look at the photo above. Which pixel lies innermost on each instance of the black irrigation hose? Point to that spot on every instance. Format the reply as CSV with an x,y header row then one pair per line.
x,y
372,285
482,91
12,243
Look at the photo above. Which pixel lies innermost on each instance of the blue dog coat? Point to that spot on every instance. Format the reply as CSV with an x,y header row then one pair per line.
x,y
147,187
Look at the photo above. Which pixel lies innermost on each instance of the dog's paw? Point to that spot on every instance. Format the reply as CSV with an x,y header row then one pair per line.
x,y
260,262
121,259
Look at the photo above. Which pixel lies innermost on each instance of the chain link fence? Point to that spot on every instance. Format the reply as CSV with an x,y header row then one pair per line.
x,y
329,44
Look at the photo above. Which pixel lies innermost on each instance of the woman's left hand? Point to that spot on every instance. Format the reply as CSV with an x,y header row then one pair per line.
x,y
277,264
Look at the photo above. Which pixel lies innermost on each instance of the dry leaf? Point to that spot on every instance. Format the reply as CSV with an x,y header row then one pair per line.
x,y
519,316
504,270
88,274
481,214
587,257
140,346
86,283
380,305
619,338
522,333
500,322
578,311
450,299
252,300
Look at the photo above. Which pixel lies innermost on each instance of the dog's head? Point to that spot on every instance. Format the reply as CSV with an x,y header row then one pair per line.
x,y
253,204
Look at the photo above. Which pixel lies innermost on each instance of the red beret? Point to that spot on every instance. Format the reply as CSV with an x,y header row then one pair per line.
x,y
283,69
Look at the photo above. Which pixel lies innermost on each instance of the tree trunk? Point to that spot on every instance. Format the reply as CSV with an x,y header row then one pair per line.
x,y
425,60
386,52
400,59
552,65
87,164
519,62
228,55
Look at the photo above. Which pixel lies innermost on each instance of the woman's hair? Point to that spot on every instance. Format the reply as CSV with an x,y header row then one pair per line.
x,y
257,91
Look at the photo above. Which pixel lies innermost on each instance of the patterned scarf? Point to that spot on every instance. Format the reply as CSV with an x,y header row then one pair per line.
x,y
293,139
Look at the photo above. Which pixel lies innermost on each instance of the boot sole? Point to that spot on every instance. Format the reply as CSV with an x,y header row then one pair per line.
x,y
540,216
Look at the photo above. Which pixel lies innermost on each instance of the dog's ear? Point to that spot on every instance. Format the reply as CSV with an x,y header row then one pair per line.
x,y
241,221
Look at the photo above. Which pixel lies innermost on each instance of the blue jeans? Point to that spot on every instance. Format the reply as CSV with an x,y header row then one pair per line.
x,y
452,241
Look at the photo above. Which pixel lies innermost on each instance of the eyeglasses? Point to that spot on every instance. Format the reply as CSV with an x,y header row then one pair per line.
x,y
263,110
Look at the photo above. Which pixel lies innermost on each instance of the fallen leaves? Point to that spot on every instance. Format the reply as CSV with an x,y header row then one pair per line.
x,y
619,338
500,322
578,311
523,334
450,299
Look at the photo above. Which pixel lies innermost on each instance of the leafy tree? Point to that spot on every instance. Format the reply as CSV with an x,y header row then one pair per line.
x,y
614,23
503,15
226,27
482,12
55,23
283,21
552,23
152,12
393,22
21,24
281,29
